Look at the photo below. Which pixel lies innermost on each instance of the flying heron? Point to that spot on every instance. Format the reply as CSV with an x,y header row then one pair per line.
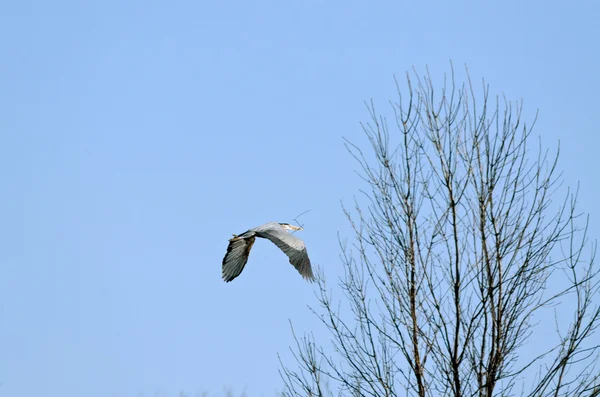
x,y
239,248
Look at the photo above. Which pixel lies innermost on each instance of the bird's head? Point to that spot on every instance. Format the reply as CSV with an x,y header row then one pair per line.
x,y
287,226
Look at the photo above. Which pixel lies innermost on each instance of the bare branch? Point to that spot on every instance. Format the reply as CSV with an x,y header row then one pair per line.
x,y
463,248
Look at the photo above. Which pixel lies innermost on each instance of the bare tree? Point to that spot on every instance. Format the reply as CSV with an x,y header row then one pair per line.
x,y
463,250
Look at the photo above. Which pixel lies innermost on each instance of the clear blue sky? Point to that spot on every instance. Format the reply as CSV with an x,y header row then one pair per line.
x,y
137,136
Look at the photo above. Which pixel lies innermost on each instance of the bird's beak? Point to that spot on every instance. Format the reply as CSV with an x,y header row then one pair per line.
x,y
295,227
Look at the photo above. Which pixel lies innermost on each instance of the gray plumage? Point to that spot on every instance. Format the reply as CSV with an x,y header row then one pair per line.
x,y
239,249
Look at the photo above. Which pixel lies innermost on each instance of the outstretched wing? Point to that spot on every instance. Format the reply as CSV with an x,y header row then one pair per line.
x,y
293,247
236,257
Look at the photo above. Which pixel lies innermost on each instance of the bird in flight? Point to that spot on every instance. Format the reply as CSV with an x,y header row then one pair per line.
x,y
239,249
